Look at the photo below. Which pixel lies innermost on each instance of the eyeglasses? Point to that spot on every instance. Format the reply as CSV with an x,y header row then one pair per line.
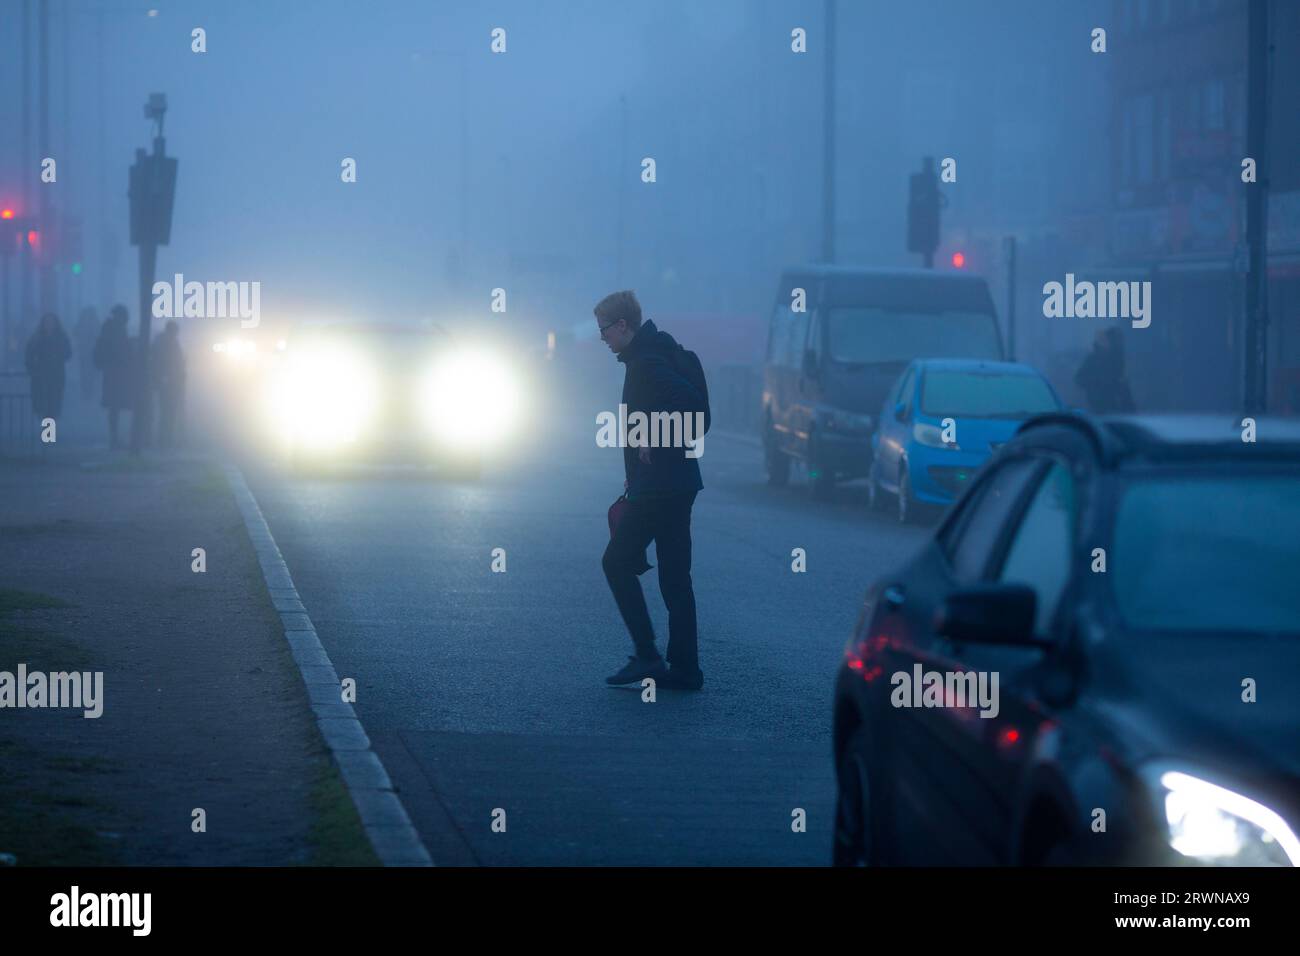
x,y
603,328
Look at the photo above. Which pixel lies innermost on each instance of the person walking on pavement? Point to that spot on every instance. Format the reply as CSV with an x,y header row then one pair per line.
x,y
87,332
1102,376
168,367
661,485
114,359
48,351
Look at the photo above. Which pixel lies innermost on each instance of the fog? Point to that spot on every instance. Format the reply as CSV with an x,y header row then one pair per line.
x,y
522,170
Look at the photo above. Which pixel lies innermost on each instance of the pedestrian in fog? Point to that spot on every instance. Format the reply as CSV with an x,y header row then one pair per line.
x,y
86,334
114,359
168,367
48,351
660,488
1102,375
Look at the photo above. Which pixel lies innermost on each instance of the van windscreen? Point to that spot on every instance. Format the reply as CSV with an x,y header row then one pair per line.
x,y
868,335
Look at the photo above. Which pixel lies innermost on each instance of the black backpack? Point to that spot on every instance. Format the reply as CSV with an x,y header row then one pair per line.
x,y
687,364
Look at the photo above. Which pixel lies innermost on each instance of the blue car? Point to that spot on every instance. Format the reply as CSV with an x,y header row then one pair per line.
x,y
942,420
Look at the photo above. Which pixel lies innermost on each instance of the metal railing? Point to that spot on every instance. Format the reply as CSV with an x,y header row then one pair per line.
x,y
19,430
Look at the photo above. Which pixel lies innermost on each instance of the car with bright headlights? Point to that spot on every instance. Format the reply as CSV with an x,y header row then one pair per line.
x,y
1092,660
388,393
940,422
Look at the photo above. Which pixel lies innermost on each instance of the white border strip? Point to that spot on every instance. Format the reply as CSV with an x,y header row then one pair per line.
x,y
389,829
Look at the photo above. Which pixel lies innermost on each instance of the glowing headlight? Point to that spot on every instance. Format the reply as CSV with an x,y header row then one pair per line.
x,y
1216,826
932,436
324,398
469,399
236,349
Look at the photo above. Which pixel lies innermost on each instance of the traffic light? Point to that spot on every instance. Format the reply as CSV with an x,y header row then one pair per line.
x,y
923,202
958,260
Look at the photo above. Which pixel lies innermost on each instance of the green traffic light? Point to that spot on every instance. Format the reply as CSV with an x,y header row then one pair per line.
x,y
76,268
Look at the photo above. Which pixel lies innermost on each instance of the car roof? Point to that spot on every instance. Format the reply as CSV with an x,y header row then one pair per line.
x,y
915,290
822,270
1120,439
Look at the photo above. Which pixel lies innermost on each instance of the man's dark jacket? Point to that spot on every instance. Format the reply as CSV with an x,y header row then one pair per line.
x,y
652,384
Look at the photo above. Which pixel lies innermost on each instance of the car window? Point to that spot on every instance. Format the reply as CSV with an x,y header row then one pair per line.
x,y
980,394
904,395
814,337
1039,553
975,531
869,334
1230,568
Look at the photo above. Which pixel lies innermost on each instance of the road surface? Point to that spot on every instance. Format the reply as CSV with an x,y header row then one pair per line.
x,y
484,691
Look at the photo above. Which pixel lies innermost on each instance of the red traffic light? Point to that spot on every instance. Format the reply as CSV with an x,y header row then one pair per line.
x,y
958,260
33,237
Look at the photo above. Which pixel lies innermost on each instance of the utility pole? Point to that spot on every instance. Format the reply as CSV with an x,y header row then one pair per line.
x,y
27,169
151,191
619,184
828,139
1255,385
46,291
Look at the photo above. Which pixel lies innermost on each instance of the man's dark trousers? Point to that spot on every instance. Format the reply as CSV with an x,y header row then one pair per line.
x,y
664,519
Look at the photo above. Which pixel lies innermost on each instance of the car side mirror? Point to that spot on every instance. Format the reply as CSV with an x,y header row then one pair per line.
x,y
900,411
810,369
989,614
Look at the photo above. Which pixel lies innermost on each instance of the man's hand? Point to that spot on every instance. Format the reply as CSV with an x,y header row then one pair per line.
x,y
644,454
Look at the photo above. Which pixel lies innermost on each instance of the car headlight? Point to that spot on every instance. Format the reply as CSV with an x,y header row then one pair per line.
x,y
1213,825
236,349
932,436
470,399
324,398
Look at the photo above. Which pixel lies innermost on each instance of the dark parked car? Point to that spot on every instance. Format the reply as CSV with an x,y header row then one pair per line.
x,y
829,366
1123,592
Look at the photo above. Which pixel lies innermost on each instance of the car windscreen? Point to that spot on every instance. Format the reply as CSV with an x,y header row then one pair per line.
x,y
869,335
974,394
1208,552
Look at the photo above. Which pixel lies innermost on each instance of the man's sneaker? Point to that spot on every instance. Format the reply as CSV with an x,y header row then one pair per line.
x,y
678,678
638,669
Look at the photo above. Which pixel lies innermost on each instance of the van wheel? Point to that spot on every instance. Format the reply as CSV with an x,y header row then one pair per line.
x,y
778,463
823,482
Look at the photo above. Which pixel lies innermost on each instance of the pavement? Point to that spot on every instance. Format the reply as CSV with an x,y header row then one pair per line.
x,y
482,692
203,706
